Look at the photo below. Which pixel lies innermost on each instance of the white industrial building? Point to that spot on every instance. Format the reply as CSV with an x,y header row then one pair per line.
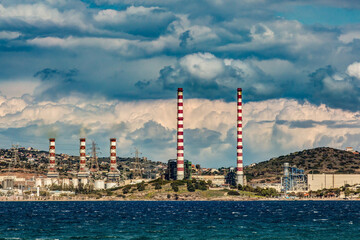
x,y
327,180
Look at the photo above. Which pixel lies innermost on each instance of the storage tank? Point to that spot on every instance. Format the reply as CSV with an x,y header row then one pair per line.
x,y
99,184
66,182
47,182
84,181
75,182
38,182
111,185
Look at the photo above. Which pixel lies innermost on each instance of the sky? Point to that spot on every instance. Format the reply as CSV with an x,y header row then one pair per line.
x,y
111,68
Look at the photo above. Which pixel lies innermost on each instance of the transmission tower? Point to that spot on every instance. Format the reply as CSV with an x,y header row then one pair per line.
x,y
94,164
137,164
15,159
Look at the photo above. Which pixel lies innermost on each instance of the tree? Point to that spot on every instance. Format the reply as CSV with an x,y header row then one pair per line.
x,y
231,178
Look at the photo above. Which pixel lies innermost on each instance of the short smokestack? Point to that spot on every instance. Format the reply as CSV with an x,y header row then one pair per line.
x,y
83,172
180,136
52,160
113,173
240,168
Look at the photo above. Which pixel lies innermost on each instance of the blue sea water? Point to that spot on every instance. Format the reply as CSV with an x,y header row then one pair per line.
x,y
181,220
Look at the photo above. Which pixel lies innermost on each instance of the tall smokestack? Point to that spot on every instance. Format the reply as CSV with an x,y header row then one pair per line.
x,y
239,169
83,172
113,167
52,164
180,136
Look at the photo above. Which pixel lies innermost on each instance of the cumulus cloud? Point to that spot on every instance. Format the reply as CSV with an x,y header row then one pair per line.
x,y
354,70
271,127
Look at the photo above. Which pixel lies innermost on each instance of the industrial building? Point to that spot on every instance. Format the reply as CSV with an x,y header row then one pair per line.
x,y
294,179
171,172
330,180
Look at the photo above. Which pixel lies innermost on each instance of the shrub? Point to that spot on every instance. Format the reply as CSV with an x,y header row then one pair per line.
x,y
233,193
190,187
126,189
157,186
141,186
175,188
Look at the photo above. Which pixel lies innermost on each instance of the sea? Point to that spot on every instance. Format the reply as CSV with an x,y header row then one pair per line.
x,y
180,220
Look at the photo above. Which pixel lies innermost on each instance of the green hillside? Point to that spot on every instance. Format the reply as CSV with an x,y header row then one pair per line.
x,y
317,160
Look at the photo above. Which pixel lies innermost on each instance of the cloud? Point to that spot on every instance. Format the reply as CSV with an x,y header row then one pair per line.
x,y
113,67
136,20
354,70
41,14
271,128
9,35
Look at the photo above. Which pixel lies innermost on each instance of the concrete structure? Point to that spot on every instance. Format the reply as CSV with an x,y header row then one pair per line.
x,y
180,135
99,185
8,184
330,180
240,168
52,173
114,172
217,180
276,186
83,171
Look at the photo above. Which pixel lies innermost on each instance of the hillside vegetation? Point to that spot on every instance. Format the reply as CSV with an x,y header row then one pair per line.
x,y
317,160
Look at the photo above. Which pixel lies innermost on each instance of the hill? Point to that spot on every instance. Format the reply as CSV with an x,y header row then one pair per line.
x,y
317,160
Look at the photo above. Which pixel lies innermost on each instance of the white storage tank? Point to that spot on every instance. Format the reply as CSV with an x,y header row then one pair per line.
x,y
99,184
111,185
84,181
38,182
66,182
47,182
75,182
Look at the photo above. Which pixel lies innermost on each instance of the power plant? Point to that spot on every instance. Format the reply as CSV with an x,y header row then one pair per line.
x,y
89,172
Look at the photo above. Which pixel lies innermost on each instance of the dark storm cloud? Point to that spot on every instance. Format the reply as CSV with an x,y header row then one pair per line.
x,y
133,50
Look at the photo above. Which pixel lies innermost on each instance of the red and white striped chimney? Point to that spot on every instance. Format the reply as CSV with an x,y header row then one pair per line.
x,y
239,169
82,155
113,166
52,164
180,136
